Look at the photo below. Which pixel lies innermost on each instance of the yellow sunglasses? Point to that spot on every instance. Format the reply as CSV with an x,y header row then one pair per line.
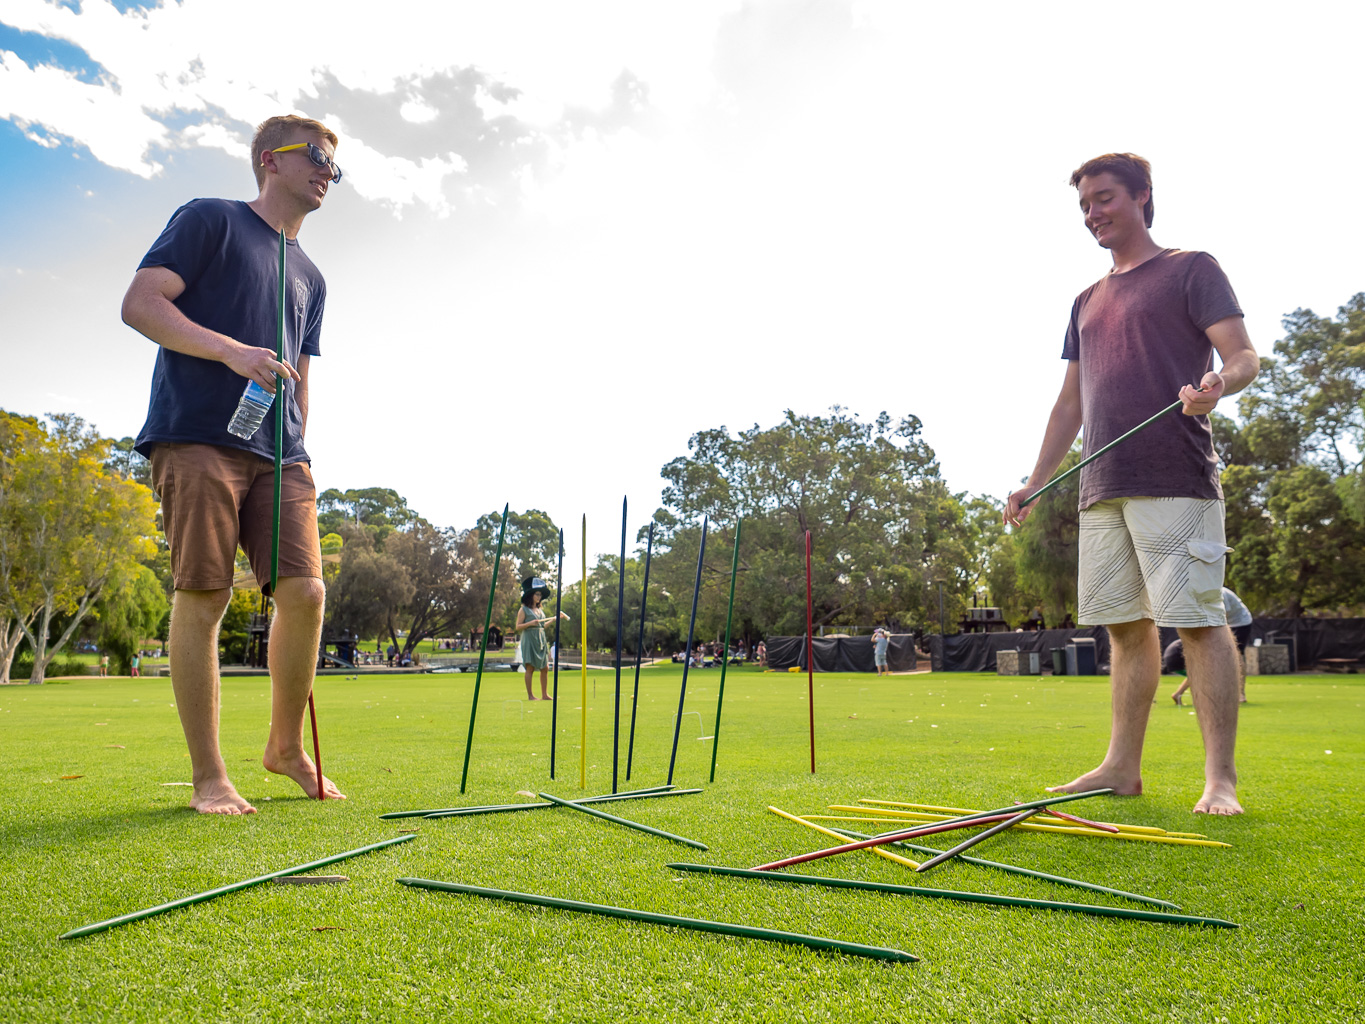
x,y
316,155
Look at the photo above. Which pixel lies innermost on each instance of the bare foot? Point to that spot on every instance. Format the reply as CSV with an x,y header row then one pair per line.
x,y
1176,697
300,768
1102,778
1219,798
219,797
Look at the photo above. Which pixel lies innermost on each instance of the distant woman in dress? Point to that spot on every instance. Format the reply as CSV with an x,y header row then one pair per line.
x,y
535,650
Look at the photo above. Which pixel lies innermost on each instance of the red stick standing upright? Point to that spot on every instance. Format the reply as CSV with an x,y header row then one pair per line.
x,y
810,656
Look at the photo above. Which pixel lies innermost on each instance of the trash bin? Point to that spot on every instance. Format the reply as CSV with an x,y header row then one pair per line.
x,y
1059,661
1080,656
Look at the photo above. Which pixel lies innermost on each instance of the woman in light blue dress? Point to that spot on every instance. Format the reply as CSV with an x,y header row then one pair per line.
x,y
535,651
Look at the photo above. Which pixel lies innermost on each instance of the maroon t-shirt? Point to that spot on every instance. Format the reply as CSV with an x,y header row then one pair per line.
x,y
1140,337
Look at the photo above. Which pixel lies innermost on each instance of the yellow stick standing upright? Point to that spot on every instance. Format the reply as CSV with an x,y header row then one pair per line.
x,y
583,652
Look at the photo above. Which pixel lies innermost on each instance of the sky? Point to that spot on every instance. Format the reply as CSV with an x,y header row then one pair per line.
x,y
570,236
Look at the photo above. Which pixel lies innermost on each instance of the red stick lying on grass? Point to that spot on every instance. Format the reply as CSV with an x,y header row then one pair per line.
x,y
890,837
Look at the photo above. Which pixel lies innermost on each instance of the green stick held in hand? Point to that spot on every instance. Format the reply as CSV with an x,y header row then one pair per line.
x,y
1091,458
275,513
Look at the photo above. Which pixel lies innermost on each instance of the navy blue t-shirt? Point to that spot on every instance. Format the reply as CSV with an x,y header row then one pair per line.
x,y
228,258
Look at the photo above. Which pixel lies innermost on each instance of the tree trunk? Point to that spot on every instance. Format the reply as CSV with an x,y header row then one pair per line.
x,y
9,644
38,640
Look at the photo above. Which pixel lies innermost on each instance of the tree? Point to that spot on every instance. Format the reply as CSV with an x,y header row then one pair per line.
x,y
367,585
1317,385
234,635
1292,483
868,492
1310,556
17,434
381,509
450,579
127,463
129,611
1047,552
68,528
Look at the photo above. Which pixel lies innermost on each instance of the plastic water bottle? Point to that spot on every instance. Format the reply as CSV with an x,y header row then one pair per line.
x,y
251,411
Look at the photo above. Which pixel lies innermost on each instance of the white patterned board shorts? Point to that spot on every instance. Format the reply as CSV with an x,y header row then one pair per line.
x,y
1152,558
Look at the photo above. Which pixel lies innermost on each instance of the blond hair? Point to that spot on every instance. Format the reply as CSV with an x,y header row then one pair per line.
x,y
275,131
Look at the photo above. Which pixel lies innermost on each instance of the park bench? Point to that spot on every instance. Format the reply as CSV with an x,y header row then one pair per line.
x,y
1339,664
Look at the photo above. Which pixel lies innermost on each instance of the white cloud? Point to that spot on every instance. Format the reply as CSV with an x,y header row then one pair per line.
x,y
61,104
206,63
395,181
219,136
417,111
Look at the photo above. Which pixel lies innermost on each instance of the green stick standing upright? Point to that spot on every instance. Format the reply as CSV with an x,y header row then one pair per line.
x,y
483,647
725,654
275,514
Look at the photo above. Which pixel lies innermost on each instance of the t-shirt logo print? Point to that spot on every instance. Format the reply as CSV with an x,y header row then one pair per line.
x,y
300,307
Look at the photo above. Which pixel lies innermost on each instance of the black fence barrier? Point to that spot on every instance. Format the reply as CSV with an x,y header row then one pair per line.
x,y
1313,640
841,653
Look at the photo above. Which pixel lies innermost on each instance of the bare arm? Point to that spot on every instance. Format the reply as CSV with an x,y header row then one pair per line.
x,y
301,393
149,308
1240,366
1062,427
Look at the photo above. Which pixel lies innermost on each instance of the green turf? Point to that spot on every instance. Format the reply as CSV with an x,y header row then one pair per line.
x,y
76,851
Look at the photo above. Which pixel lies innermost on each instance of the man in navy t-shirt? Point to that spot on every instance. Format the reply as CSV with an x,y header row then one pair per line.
x,y
207,294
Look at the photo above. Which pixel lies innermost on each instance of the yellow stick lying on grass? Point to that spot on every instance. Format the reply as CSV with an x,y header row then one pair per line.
x,y
1044,828
884,807
843,839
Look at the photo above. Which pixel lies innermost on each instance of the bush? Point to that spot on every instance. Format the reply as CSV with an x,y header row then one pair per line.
x,y
22,667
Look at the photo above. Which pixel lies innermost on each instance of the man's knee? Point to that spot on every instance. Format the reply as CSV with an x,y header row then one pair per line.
x,y
1204,635
1202,640
202,608
303,594
1132,634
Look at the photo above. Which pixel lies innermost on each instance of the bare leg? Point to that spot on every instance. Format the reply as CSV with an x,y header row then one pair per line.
x,y
530,694
194,679
1212,657
294,637
1135,673
1181,692
545,683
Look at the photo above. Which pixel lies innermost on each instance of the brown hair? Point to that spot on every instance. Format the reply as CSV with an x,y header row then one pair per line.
x,y
273,131
1129,168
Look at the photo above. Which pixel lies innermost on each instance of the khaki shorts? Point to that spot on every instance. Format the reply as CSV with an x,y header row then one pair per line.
x,y
1152,558
213,499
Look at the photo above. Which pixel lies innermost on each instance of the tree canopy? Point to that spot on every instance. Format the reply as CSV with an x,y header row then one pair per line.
x,y
70,529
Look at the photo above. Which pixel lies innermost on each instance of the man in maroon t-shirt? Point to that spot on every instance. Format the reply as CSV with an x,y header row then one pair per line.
x,y
1151,528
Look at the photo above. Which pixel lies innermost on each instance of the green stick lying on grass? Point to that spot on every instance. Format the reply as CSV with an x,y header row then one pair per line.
x,y
695,924
949,894
626,822
213,894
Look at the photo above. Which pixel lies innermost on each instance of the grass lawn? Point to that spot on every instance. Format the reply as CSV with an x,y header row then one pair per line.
x,y
75,851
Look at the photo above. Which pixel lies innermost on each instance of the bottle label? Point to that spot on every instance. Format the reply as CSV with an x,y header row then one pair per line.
x,y
255,393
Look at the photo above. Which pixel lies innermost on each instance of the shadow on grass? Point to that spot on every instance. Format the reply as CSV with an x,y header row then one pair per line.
x,y
55,831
